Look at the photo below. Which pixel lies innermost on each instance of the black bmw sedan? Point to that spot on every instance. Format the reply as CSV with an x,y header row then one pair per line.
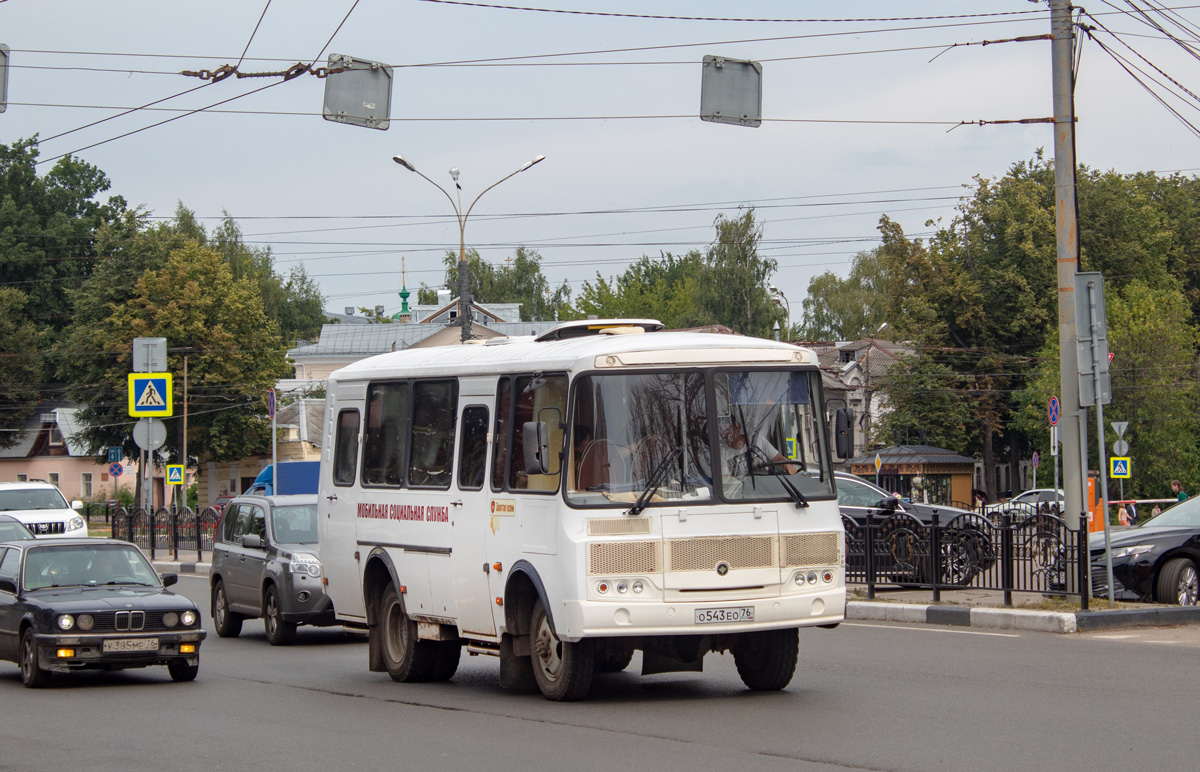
x,y
92,604
1155,560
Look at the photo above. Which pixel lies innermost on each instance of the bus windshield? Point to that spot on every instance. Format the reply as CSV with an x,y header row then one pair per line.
x,y
634,432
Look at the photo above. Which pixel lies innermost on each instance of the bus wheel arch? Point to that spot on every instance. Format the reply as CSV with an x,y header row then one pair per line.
x,y
378,575
523,589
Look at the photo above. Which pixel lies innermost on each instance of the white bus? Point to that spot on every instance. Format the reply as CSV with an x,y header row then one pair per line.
x,y
564,500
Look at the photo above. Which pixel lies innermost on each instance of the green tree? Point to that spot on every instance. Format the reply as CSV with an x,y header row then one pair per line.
x,y
846,309
193,300
660,288
21,365
519,280
1153,339
926,396
733,289
47,227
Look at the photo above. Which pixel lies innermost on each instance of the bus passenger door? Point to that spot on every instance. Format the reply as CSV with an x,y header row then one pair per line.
x,y
337,499
473,573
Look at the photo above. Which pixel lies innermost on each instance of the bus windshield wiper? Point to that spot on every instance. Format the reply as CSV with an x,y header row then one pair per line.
x,y
773,467
655,481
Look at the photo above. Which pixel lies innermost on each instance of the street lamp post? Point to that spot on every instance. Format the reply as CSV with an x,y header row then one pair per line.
x,y
777,295
464,302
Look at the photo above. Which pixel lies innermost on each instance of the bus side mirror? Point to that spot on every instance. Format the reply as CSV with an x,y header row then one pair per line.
x,y
537,447
843,432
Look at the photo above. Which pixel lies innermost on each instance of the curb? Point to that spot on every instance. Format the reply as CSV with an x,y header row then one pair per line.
x,y
1021,619
181,568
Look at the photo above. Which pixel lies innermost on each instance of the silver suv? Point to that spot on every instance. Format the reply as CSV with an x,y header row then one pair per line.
x,y
43,510
266,564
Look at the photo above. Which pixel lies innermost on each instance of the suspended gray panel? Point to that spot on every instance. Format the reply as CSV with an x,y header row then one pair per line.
x,y
3,77
361,95
731,91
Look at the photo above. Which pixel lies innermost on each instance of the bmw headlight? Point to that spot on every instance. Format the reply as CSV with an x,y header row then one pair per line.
x,y
306,563
75,523
1132,552
66,622
188,618
170,619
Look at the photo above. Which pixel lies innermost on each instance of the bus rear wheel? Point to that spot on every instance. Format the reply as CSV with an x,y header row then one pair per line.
x,y
406,658
766,660
563,670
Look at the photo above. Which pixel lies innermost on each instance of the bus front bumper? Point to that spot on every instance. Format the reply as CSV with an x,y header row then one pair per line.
x,y
589,619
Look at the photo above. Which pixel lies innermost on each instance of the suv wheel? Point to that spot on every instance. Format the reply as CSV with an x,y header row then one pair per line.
x,y
228,623
279,632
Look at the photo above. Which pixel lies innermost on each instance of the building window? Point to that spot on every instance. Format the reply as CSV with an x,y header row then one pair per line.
x,y
85,485
22,478
56,438
53,478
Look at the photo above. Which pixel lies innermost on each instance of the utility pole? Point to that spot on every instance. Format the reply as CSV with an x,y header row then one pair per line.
x,y
1067,228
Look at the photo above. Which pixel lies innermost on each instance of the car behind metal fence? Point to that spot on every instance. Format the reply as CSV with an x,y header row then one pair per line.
x,y
1012,552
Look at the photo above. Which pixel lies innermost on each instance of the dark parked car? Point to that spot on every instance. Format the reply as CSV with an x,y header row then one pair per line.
x,y
92,604
902,535
12,529
1155,560
265,564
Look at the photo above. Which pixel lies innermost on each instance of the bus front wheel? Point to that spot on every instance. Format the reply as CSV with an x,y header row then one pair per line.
x,y
563,670
766,660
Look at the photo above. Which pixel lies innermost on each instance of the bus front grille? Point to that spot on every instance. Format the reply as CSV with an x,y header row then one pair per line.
x,y
809,549
624,557
618,526
706,553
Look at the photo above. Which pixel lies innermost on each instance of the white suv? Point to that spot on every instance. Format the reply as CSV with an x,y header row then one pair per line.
x,y
43,510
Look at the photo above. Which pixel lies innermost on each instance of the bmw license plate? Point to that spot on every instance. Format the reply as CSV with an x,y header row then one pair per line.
x,y
705,616
118,645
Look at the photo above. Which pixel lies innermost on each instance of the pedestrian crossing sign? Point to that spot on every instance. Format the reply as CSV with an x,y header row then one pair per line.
x,y
174,474
1118,467
150,395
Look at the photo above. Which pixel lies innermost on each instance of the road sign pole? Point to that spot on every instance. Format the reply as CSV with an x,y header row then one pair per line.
x,y
1100,449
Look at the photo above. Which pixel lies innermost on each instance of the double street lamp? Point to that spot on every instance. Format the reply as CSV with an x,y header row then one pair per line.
x,y
777,296
464,299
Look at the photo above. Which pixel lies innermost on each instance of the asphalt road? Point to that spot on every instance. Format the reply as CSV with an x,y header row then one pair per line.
x,y
865,697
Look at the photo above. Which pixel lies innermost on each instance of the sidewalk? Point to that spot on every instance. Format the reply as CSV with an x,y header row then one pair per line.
x,y
983,609
986,609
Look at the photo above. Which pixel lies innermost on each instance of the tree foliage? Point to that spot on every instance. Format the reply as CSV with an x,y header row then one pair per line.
x,y
846,309
218,321
47,228
519,280
981,298
21,365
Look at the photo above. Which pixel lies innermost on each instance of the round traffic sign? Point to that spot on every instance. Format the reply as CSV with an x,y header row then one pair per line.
x,y
1052,411
149,435
115,469
1120,448
270,403
1035,459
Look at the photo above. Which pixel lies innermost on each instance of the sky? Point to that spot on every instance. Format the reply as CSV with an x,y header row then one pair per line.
x,y
868,107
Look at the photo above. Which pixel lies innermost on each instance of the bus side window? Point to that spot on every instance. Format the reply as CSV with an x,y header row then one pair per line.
x,y
539,398
472,449
385,437
432,433
345,448
500,437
